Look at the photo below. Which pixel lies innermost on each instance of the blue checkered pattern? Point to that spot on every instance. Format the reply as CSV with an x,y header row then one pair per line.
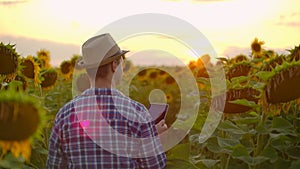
x,y
102,128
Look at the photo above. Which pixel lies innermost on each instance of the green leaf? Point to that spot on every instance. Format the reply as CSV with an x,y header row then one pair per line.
x,y
249,120
239,79
281,163
281,142
245,102
227,143
264,75
239,151
228,126
181,151
10,161
203,80
213,146
206,163
294,152
261,129
270,153
295,164
281,123
180,164
253,161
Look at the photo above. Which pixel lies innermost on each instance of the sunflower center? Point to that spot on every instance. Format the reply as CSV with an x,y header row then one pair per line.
x,y
28,69
15,117
8,62
256,47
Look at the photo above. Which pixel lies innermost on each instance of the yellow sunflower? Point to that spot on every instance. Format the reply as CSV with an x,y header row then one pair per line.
x,y
44,57
192,65
74,59
66,68
21,120
9,62
31,69
256,47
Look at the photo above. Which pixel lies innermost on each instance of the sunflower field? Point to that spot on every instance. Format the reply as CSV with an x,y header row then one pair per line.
x,y
259,127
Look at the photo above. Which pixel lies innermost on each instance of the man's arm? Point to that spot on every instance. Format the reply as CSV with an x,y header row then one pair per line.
x,y
151,151
56,158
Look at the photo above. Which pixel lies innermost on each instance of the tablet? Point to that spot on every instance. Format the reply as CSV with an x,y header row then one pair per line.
x,y
158,111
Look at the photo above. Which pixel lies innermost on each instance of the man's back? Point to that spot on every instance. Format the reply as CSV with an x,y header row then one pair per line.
x,y
102,128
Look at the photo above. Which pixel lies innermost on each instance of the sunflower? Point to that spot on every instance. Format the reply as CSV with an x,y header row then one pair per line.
x,y
256,48
142,75
31,69
9,62
283,85
49,77
44,57
298,101
202,72
273,62
247,93
169,97
161,72
201,86
66,68
169,80
295,54
153,74
192,65
21,120
74,59
238,69
240,58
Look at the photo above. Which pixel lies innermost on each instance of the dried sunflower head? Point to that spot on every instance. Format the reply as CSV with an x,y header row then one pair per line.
x,y
49,77
295,54
9,62
21,120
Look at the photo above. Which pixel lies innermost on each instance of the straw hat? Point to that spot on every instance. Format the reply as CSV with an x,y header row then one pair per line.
x,y
99,50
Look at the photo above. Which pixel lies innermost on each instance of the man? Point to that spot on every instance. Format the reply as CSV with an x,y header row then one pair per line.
x,y
102,128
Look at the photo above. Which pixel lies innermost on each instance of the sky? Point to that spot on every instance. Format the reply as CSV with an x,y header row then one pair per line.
x,y
61,26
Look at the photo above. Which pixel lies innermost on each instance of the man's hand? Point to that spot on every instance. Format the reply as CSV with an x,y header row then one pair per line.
x,y
161,126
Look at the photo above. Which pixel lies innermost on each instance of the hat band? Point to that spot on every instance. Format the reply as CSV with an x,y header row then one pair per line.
x,y
111,58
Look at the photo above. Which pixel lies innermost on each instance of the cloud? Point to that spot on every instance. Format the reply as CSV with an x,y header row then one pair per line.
x,y
290,20
11,2
28,46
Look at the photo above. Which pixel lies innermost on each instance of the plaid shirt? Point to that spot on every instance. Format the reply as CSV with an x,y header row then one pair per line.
x,y
102,128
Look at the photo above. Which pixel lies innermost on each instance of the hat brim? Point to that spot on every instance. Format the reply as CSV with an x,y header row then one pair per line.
x,y
81,64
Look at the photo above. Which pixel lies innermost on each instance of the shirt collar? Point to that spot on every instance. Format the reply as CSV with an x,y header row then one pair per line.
x,y
102,91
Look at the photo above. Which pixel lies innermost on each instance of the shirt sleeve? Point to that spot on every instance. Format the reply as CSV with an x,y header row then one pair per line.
x,y
151,148
56,158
